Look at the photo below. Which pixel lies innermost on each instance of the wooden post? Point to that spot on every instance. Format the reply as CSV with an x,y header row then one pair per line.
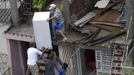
x,y
66,14
130,24
14,11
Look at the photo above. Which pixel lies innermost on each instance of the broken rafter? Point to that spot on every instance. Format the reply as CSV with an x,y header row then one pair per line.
x,y
92,37
95,34
81,45
100,38
84,38
107,24
102,28
108,38
79,30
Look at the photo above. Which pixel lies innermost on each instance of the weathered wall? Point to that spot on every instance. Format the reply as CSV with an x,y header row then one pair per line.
x,y
129,8
66,14
78,8
3,62
3,43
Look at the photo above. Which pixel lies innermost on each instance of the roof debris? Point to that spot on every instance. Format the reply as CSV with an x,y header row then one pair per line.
x,y
101,26
102,3
85,19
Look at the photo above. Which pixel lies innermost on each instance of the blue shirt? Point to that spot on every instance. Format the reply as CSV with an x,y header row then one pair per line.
x,y
59,17
60,70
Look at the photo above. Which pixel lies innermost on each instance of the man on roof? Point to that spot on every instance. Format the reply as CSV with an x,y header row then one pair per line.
x,y
57,20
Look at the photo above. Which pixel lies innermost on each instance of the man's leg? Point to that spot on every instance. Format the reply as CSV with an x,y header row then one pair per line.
x,y
63,35
34,70
28,71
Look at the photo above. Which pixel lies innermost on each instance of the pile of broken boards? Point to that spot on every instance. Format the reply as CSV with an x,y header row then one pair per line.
x,y
103,24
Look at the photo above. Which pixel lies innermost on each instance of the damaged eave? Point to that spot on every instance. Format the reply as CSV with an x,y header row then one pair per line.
x,y
19,33
81,46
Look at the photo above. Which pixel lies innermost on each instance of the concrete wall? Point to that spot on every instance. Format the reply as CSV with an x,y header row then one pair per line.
x,y
3,43
129,9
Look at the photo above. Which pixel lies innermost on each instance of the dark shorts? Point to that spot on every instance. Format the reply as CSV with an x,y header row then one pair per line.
x,y
57,26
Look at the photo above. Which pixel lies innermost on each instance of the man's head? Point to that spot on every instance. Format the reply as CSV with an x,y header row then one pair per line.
x,y
52,7
32,45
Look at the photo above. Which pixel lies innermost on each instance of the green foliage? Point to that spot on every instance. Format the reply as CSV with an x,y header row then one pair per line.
x,y
38,4
61,7
48,1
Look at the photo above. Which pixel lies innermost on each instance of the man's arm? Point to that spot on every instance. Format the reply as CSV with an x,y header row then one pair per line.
x,y
39,52
51,18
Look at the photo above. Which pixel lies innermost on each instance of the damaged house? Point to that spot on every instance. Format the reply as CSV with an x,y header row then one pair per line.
x,y
100,36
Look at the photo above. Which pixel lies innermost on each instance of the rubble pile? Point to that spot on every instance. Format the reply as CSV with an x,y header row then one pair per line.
x,y
102,24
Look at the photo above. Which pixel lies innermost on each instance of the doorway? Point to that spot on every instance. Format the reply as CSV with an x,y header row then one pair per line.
x,y
18,51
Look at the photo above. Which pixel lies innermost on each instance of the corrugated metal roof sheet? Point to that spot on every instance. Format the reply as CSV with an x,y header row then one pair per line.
x,y
5,12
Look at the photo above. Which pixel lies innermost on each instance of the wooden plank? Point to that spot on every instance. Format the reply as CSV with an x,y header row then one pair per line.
x,y
102,3
108,24
85,19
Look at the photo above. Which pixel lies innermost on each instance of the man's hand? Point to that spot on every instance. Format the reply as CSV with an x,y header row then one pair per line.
x,y
48,19
51,18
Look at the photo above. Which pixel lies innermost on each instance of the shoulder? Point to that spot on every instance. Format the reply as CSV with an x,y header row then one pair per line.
x,y
57,10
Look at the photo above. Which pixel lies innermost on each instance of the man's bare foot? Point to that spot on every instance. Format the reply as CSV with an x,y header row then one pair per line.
x,y
64,39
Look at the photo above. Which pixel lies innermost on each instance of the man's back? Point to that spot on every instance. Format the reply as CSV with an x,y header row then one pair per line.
x,y
32,55
59,17
49,67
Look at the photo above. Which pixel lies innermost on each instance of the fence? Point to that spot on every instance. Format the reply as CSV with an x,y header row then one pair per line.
x,y
6,71
5,11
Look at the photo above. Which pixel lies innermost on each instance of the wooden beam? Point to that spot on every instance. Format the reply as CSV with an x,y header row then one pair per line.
x,y
81,45
108,38
107,24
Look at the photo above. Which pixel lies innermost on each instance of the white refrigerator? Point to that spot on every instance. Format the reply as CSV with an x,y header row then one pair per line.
x,y
42,30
